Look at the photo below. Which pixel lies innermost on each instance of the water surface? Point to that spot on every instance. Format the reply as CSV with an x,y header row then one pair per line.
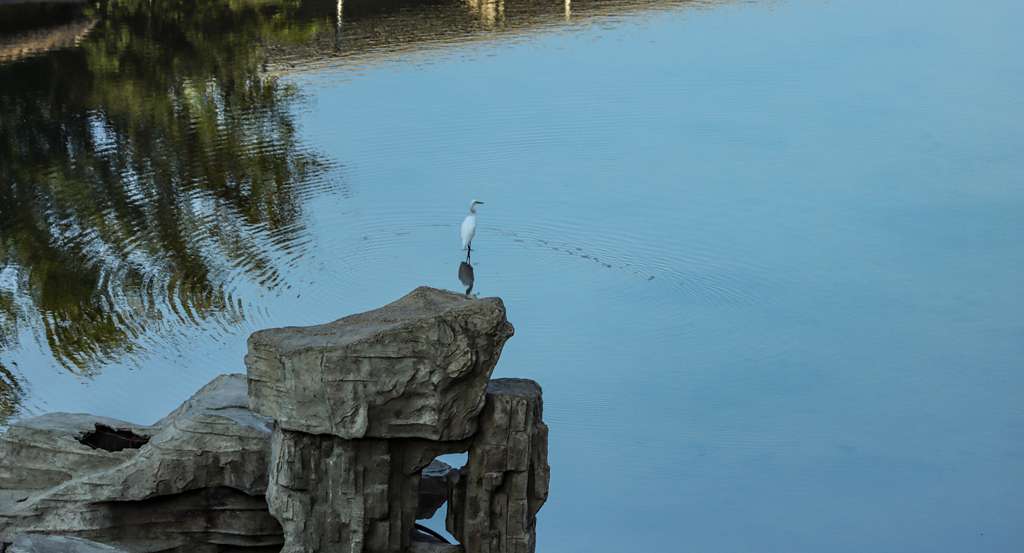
x,y
764,257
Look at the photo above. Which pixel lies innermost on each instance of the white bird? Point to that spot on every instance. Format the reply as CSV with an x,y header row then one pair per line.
x,y
469,226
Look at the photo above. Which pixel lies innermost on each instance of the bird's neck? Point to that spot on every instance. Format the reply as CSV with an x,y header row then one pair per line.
x,y
472,210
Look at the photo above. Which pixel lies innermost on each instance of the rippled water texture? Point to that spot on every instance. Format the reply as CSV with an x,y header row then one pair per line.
x,y
764,257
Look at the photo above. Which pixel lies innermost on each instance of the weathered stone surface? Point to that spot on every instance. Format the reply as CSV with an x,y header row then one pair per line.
x,y
434,547
45,451
434,483
416,368
40,543
495,499
194,482
206,520
333,494
425,540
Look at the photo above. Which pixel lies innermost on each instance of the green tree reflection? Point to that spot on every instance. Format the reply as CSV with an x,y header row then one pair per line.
x,y
141,172
10,393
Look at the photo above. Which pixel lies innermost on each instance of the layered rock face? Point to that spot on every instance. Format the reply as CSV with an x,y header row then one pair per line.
x,y
45,451
362,406
332,494
416,368
141,487
329,444
495,499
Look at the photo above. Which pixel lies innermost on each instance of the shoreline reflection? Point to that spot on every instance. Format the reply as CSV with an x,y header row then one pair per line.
x,y
371,31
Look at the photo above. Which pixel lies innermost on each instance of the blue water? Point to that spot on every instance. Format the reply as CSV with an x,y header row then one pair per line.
x,y
764,257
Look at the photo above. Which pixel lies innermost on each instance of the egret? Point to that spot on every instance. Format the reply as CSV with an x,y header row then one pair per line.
x,y
469,227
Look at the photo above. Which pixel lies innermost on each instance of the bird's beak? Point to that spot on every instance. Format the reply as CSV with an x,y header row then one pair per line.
x,y
481,203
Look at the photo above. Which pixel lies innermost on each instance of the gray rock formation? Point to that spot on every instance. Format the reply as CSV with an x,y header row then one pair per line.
x,y
210,456
39,543
362,405
334,494
416,368
366,404
45,451
434,547
494,501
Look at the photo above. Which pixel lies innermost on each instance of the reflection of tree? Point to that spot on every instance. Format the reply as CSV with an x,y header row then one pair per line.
x,y
10,393
143,169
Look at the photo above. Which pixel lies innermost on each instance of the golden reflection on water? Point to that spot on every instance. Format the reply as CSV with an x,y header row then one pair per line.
x,y
36,41
380,30
490,12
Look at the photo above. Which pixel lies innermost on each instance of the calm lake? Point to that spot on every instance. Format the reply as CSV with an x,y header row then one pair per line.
x,y
765,257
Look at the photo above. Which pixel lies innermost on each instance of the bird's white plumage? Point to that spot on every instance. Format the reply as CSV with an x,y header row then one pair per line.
x,y
468,229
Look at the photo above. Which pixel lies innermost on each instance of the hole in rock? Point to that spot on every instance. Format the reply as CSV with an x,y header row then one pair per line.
x,y
433,504
457,460
113,439
434,530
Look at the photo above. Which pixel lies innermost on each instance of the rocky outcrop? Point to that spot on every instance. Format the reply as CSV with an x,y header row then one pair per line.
x,y
48,450
140,486
362,405
496,496
416,368
368,404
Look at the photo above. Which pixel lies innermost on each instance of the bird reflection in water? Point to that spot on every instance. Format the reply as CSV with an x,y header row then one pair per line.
x,y
466,276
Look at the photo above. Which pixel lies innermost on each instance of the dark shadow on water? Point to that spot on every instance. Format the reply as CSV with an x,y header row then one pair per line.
x,y
28,17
